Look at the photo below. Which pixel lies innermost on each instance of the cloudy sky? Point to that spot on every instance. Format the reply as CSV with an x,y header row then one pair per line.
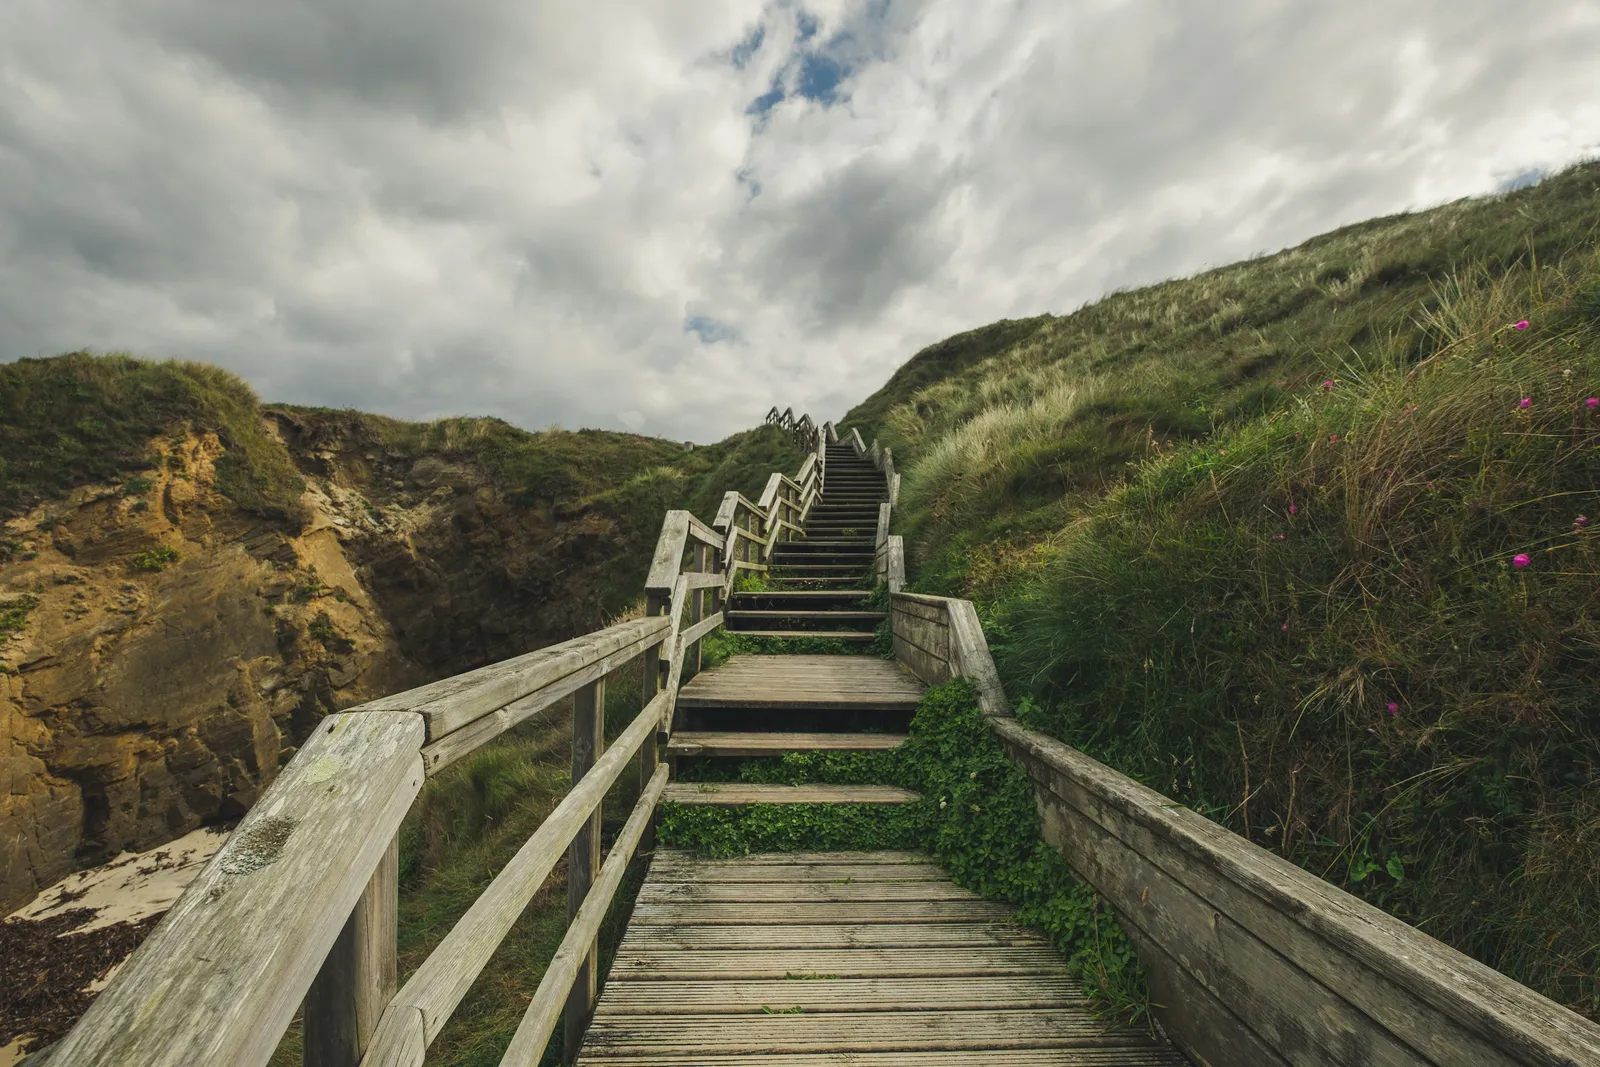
x,y
666,215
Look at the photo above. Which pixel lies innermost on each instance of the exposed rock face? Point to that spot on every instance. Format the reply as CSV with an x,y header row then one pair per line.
x,y
178,649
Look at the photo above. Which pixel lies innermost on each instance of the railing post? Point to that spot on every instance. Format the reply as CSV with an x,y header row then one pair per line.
x,y
697,603
583,855
649,752
357,979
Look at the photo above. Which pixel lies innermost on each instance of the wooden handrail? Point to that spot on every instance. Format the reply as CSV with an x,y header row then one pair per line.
x,y
264,912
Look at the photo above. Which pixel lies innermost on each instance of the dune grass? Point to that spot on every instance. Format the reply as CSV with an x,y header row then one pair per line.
x,y
81,418
1355,622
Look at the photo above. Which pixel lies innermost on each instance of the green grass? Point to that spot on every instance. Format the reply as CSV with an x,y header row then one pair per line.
x,y
1201,566
153,560
79,418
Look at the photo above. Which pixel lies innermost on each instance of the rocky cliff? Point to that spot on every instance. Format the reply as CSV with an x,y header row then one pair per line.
x,y
165,646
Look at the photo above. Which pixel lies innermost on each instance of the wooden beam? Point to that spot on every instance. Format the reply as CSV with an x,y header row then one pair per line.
x,y
453,703
583,860
539,1021
265,911
358,977
668,559
604,657
425,1003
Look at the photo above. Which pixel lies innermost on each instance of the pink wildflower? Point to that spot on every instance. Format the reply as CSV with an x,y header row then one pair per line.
x,y
1285,627
1293,508
1523,325
1333,438
1525,403
1281,537
1593,402
1521,560
1328,384
1581,522
1394,709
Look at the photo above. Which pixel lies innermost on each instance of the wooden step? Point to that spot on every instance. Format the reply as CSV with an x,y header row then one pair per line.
x,y
687,743
816,616
832,635
740,794
855,594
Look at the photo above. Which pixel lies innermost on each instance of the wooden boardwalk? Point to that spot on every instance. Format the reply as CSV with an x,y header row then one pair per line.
x,y
873,959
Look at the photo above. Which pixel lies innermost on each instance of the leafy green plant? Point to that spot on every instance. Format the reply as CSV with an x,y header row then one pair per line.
x,y
153,560
324,632
136,486
14,613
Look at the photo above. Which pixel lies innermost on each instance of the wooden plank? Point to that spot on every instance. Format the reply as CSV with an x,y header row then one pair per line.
x,y
1135,1056
786,858
437,986
539,1021
708,580
458,743
668,558
701,628
738,794
750,996
902,605
896,566
1414,989
858,1032
637,964
948,935
887,911
969,657
762,744
700,872
838,890
583,863
357,978
265,911
453,703
704,534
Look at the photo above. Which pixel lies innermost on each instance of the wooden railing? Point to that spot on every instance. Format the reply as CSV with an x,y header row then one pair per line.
x,y
299,906
802,431
1251,959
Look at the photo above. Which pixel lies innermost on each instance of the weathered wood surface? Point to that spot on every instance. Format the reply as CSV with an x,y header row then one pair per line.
x,y
264,913
583,860
667,561
811,682
727,743
453,703
950,988
567,966
940,638
738,794
458,743
425,1002
358,976
1266,953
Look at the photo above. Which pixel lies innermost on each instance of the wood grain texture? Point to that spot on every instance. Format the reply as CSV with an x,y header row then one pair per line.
x,y
357,978
455,702
688,988
583,860
811,682
1228,908
265,911
565,968
740,794
667,561
709,743
444,977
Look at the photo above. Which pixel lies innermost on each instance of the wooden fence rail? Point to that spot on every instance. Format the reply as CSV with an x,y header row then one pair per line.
x,y
299,906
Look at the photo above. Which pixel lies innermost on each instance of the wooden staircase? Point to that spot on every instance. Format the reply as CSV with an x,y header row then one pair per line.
x,y
818,584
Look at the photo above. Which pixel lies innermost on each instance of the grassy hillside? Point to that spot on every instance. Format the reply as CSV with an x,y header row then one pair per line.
x,y
1305,542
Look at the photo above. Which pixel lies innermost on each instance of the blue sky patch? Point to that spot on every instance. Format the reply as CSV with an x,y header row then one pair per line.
x,y
1532,176
708,329
748,47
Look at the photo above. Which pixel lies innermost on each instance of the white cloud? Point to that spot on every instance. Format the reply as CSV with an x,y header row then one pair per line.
x,y
544,211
